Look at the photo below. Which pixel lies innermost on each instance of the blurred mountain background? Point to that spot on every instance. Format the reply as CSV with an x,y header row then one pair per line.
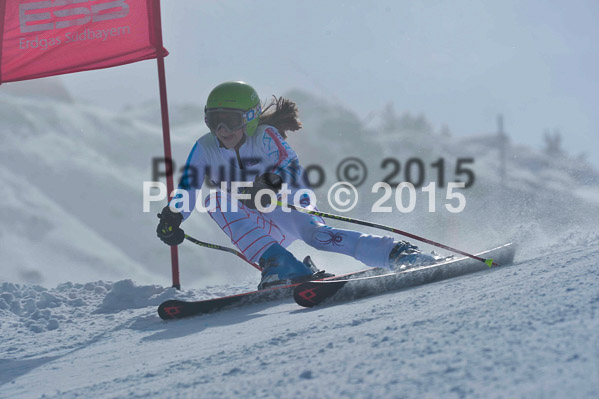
x,y
71,177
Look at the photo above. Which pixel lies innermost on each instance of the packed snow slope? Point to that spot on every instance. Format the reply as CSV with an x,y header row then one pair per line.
x,y
528,330
71,180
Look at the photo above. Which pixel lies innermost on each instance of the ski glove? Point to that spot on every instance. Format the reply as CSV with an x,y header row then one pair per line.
x,y
168,229
268,181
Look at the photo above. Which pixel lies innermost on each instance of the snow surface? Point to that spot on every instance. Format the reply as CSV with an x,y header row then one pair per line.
x,y
528,330
71,177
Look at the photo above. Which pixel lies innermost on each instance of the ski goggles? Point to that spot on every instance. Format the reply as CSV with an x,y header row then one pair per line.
x,y
230,119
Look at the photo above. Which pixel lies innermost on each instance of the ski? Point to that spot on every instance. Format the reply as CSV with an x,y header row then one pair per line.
x,y
311,293
177,309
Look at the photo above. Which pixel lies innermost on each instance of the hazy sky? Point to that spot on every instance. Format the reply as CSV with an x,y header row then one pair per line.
x,y
458,62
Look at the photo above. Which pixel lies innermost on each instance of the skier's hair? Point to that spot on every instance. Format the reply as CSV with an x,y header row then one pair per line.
x,y
282,114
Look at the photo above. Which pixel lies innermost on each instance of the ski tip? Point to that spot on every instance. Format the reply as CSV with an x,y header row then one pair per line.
x,y
489,262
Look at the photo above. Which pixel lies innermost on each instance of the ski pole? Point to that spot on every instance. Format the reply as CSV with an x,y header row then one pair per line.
x,y
220,248
489,262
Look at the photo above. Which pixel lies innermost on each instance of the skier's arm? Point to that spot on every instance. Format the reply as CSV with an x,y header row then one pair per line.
x,y
191,182
281,156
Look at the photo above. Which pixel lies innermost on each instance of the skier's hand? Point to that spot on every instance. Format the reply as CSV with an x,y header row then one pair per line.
x,y
168,229
267,181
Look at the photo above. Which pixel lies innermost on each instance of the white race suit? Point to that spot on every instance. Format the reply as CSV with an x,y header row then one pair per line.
x,y
254,232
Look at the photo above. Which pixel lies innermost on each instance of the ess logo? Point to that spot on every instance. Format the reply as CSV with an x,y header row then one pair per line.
x,y
85,13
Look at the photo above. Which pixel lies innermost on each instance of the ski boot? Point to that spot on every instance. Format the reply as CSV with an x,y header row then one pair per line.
x,y
280,267
405,256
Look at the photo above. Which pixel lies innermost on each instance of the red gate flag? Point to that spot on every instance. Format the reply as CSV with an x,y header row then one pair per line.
x,y
46,38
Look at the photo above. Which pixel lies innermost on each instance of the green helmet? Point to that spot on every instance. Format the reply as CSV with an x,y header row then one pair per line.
x,y
235,96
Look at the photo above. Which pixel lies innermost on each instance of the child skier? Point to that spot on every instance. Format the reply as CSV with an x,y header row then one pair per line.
x,y
245,139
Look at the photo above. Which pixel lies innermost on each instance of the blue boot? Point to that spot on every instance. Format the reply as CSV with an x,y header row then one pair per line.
x,y
405,256
280,267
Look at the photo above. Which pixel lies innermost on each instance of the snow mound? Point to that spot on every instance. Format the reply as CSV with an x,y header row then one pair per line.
x,y
38,309
126,295
27,309
33,308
